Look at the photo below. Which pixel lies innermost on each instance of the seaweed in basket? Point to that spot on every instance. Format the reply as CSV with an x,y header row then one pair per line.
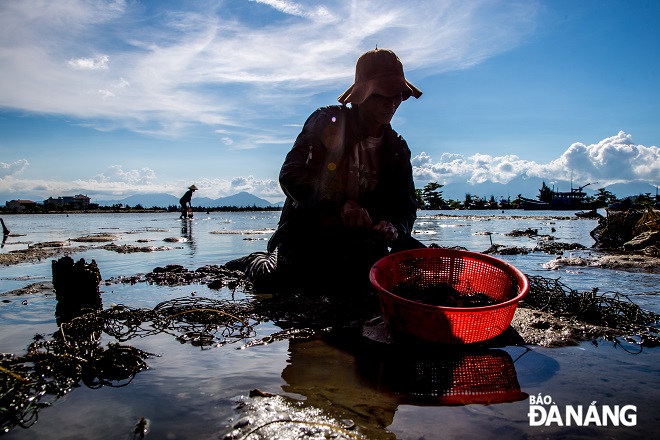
x,y
441,294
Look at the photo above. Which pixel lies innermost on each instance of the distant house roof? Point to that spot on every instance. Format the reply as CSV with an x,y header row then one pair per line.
x,y
20,204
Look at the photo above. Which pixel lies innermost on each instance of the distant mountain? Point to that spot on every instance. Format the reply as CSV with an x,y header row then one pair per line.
x,y
242,200
528,187
151,200
161,200
622,190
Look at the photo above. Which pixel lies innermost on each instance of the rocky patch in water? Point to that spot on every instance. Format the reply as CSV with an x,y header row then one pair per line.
x,y
38,252
130,249
96,238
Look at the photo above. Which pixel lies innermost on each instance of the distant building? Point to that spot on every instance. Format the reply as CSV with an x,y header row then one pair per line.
x,y
20,205
77,201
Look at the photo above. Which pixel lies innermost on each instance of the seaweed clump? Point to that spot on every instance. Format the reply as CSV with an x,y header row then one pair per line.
x,y
73,356
52,367
442,294
202,322
614,311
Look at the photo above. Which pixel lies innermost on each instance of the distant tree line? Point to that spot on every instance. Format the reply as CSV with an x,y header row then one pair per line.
x,y
92,207
430,198
177,208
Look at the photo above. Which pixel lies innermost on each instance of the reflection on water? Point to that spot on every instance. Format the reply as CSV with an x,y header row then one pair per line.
x,y
368,383
190,393
187,235
455,377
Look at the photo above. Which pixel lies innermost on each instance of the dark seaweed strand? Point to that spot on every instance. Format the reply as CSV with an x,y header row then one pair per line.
x,y
614,310
73,355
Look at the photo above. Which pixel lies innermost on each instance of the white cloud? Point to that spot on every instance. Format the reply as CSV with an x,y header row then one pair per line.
x,y
116,173
263,187
98,63
12,169
616,159
614,156
298,9
214,68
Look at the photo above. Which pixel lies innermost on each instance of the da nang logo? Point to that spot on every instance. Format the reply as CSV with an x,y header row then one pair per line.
x,y
543,411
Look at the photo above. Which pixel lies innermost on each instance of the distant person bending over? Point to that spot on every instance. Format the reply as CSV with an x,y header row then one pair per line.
x,y
348,182
185,201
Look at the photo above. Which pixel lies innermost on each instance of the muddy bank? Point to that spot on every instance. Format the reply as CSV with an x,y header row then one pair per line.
x,y
96,238
38,252
539,328
31,289
130,249
53,249
619,261
507,217
627,240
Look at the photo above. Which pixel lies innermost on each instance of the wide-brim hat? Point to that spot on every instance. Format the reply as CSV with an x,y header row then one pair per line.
x,y
193,187
380,72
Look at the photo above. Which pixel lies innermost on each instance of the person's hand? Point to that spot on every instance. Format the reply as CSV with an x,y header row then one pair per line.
x,y
385,232
354,216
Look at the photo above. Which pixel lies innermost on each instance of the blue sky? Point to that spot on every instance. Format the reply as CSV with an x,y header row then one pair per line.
x,y
115,98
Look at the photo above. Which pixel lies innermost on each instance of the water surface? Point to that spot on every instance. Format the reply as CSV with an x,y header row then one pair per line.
x,y
190,392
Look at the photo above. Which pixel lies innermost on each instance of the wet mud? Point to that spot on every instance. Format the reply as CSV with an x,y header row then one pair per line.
x,y
38,252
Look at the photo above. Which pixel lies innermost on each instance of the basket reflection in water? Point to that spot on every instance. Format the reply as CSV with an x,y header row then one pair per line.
x,y
468,273
455,377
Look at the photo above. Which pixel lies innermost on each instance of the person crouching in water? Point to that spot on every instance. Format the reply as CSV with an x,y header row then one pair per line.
x,y
185,201
350,195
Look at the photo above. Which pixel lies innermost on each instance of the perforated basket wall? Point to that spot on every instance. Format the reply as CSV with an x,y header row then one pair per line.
x,y
468,273
455,378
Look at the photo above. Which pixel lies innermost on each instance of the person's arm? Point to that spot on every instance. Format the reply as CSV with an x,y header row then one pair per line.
x,y
397,205
309,166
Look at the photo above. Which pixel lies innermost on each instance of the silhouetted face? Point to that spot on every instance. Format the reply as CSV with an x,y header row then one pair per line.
x,y
378,109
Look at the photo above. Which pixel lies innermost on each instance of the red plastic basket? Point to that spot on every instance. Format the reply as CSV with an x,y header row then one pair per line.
x,y
468,273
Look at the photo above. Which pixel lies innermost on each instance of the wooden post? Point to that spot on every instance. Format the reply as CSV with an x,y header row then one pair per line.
x,y
5,231
76,288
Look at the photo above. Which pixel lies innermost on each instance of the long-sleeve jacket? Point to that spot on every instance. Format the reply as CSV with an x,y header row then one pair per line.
x,y
187,197
315,174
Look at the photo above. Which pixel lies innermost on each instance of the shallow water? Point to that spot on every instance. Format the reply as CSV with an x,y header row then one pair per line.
x,y
189,392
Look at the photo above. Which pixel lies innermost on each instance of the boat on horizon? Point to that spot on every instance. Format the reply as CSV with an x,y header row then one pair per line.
x,y
573,200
